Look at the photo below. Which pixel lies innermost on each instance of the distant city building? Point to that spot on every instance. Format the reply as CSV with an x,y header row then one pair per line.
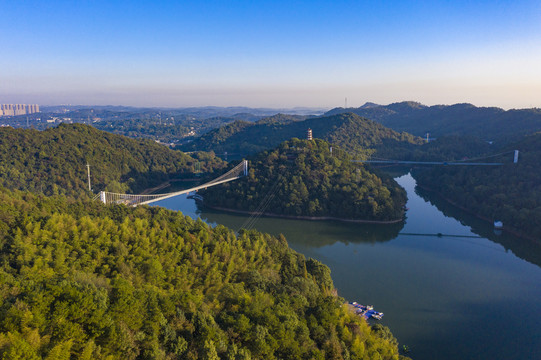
x,y
18,109
309,134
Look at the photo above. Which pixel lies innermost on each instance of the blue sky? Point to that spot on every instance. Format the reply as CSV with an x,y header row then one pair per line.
x,y
270,53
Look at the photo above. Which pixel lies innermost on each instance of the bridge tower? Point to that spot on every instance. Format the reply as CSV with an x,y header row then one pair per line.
x,y
88,168
143,199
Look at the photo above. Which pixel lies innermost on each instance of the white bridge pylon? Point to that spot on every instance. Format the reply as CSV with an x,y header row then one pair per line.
x,y
134,200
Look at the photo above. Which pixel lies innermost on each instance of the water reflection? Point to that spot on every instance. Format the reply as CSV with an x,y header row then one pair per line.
x,y
308,233
312,233
445,297
525,249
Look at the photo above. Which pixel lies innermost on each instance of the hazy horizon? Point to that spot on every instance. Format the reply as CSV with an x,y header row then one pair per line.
x,y
318,108
271,54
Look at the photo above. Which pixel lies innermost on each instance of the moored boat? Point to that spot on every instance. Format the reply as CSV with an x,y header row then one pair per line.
x,y
366,311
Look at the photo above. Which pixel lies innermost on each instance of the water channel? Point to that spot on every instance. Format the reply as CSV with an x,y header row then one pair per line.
x,y
449,287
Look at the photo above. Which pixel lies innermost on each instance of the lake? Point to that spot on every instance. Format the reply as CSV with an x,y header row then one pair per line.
x,y
449,287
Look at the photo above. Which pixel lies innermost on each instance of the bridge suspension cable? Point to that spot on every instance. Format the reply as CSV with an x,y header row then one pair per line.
x,y
139,199
464,162
260,210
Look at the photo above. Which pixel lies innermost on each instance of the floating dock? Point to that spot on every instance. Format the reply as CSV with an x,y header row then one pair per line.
x,y
366,311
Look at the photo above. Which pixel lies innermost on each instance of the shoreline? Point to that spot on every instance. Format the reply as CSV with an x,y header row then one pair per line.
x,y
311,218
471,212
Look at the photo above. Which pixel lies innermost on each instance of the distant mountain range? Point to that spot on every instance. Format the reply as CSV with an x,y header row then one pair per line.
x,y
199,112
488,123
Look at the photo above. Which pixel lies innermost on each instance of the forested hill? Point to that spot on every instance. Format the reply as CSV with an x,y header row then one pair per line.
x,y
303,178
349,131
54,161
510,193
450,148
487,123
79,280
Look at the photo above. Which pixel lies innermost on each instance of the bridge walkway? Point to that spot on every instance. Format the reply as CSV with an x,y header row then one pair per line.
x,y
143,199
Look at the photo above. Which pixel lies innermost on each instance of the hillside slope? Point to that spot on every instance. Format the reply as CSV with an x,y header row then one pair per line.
x,y
79,280
54,161
303,178
510,193
349,131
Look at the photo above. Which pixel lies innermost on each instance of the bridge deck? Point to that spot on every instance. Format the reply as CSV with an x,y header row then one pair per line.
x,y
134,200
170,195
396,162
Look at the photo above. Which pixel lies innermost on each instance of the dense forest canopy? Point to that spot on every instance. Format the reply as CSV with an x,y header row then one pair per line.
x,y
166,128
304,178
487,123
448,148
79,280
54,161
166,131
510,193
356,135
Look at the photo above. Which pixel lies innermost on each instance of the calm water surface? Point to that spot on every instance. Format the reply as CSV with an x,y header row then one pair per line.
x,y
472,295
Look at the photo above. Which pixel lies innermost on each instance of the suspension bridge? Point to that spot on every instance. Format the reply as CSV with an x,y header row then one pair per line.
x,y
134,199
465,162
